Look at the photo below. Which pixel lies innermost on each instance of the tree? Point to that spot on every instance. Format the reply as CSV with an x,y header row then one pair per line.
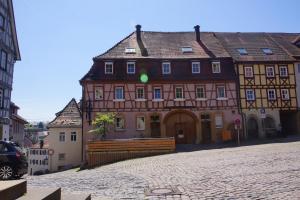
x,y
102,123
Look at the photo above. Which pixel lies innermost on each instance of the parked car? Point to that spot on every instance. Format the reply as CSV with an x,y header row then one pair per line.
x,y
13,162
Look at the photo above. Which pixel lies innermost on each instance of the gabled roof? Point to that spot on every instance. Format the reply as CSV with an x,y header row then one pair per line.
x,y
70,116
254,43
166,45
14,30
288,41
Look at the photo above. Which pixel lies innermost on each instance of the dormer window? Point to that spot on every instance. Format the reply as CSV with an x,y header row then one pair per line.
x,y
216,67
109,68
196,67
166,68
130,67
267,51
242,51
187,49
130,50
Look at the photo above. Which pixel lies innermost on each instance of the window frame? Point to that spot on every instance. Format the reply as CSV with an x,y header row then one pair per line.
x,y
123,95
106,65
253,94
242,51
286,70
199,67
204,93
268,93
62,135
72,136
130,63
245,71
219,67
143,128
137,93
101,97
273,72
154,94
175,92
267,51
60,157
221,86
118,128
287,93
166,63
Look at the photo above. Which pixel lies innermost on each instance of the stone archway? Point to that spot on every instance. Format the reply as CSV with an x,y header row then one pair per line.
x,y
252,128
181,125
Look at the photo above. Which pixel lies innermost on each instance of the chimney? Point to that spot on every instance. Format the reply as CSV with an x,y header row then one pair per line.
x,y
197,31
138,32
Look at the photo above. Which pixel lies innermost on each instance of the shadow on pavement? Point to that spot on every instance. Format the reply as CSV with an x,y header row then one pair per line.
x,y
197,147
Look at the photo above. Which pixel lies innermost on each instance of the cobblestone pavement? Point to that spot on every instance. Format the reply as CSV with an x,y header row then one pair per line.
x,y
268,171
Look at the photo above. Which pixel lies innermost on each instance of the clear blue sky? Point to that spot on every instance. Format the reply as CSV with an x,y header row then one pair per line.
x,y
59,38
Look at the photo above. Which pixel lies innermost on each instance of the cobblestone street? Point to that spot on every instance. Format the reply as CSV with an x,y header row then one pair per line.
x,y
267,171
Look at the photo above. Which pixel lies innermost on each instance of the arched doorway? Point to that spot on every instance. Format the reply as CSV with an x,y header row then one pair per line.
x,y
182,126
252,128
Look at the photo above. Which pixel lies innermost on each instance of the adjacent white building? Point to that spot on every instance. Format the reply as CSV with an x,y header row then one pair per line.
x,y
38,160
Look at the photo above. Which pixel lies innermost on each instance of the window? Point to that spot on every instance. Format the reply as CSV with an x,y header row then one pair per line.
x,y
3,61
250,95
130,67
267,51
2,22
73,136
283,71
242,51
166,68
285,94
178,93
62,137
196,67
221,92
248,72
1,98
109,68
140,93
187,49
157,93
98,93
200,92
119,93
271,94
61,156
219,121
130,50
216,67
270,71
140,123
120,124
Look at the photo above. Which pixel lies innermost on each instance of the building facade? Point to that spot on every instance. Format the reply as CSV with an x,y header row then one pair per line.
x,y
38,160
9,54
163,84
267,82
65,138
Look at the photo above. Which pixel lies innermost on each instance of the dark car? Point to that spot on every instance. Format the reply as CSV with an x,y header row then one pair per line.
x,y
13,162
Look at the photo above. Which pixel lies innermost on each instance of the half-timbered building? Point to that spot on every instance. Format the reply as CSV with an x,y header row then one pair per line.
x,y
267,84
9,54
163,84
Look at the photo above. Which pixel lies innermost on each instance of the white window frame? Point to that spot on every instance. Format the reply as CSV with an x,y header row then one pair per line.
x,y
98,93
224,89
250,75
112,67
118,125
285,70
182,93
198,71
252,94
130,63
285,94
269,92
216,64
166,72
123,95
141,128
62,136
130,50
73,136
137,92
157,88
267,71
204,95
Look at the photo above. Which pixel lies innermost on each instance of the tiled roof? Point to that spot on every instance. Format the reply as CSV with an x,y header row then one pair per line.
x,y
254,42
70,116
167,45
286,41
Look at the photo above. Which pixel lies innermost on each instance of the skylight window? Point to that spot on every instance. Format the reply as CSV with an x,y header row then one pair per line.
x,y
187,49
267,51
242,51
130,50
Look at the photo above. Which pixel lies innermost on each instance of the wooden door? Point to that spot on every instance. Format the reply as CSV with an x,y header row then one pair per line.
x,y
155,126
180,133
206,129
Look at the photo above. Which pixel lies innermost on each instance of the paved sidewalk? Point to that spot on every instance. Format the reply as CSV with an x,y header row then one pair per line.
x,y
266,171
